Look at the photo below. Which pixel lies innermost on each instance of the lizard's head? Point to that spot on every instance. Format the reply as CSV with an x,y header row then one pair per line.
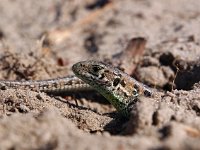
x,y
97,74
119,88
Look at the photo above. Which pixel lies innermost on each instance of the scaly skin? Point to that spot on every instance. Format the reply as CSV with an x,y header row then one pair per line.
x,y
117,87
52,86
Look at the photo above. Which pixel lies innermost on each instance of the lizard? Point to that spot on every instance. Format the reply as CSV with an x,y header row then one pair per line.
x,y
120,89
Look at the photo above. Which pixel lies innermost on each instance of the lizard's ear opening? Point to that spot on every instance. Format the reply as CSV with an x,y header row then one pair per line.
x,y
147,93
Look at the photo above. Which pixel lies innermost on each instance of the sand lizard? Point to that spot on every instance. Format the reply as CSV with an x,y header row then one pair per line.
x,y
117,87
120,89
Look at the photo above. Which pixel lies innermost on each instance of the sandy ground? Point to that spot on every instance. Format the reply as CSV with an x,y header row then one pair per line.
x,y
156,42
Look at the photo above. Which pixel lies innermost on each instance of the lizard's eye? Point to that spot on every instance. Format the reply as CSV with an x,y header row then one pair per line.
x,y
96,68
